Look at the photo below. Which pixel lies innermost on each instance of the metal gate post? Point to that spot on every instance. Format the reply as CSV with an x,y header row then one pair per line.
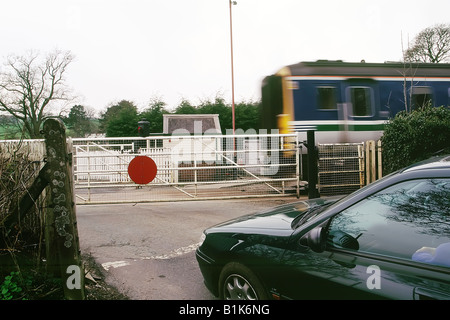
x,y
297,166
312,165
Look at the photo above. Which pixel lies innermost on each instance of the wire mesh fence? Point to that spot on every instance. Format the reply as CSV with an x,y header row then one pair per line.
x,y
341,168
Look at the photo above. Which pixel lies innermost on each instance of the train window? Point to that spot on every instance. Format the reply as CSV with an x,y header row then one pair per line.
x,y
326,98
421,97
361,99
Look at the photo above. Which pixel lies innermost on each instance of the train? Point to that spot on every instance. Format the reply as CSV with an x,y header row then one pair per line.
x,y
349,102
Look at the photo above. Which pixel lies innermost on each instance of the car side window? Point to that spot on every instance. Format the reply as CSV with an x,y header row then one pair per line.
x,y
409,220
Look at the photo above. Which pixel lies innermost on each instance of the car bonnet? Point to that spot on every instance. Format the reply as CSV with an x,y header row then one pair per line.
x,y
277,218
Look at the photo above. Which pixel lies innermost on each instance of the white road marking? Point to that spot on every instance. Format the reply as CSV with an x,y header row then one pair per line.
x,y
114,264
175,253
172,254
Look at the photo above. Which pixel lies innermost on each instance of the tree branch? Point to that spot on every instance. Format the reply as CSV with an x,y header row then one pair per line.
x,y
28,87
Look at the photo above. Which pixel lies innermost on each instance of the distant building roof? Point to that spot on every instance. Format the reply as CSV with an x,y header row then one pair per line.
x,y
191,124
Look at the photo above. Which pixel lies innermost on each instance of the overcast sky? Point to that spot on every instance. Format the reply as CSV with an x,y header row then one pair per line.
x,y
138,50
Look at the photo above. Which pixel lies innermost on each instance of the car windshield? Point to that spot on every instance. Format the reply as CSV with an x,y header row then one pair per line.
x,y
317,209
355,193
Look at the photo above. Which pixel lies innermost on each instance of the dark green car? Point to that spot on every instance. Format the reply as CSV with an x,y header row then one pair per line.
x,y
388,240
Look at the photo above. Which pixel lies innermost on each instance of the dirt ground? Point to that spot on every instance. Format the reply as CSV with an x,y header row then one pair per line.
x,y
95,286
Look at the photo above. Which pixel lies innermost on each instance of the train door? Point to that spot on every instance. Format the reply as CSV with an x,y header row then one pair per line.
x,y
361,110
362,97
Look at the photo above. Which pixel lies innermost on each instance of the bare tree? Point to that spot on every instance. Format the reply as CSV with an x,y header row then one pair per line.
x,y
432,45
29,85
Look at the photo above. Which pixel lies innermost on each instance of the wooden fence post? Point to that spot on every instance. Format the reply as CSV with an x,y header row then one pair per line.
x,y
373,155
379,159
62,233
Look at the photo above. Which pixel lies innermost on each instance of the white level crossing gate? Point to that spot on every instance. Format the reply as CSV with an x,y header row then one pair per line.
x,y
190,167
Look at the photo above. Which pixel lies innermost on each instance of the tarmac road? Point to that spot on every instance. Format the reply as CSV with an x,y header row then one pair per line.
x,y
147,250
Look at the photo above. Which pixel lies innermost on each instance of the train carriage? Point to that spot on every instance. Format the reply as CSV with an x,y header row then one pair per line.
x,y
349,102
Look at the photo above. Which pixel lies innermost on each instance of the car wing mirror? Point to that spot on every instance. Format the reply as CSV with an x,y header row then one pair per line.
x,y
315,239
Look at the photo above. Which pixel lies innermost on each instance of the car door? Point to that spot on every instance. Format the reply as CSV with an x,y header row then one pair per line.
x,y
319,276
394,244
399,237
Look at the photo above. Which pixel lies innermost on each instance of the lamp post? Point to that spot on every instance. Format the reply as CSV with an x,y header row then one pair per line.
x,y
232,67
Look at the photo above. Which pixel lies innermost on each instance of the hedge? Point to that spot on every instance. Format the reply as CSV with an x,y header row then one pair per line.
x,y
415,136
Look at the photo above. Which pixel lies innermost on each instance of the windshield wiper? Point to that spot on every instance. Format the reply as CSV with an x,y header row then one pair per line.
x,y
311,212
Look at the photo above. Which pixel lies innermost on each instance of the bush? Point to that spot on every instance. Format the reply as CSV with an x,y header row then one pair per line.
x,y
10,287
415,136
21,248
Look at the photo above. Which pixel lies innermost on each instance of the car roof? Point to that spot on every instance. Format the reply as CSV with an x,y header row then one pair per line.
x,y
440,162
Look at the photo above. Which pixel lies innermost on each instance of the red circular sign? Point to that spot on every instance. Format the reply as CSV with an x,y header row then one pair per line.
x,y
142,170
